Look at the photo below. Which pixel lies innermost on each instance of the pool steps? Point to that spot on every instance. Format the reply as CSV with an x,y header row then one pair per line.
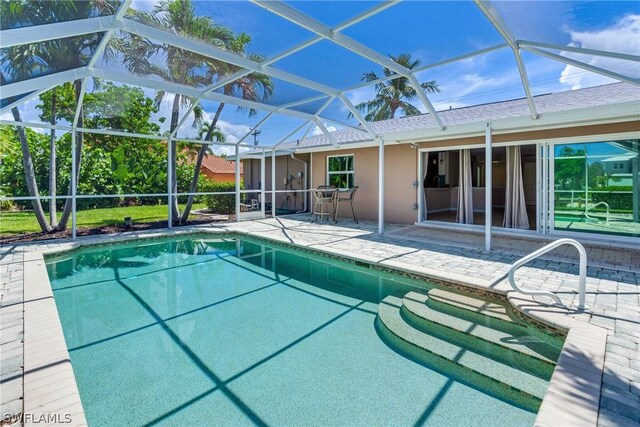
x,y
492,315
453,333
519,349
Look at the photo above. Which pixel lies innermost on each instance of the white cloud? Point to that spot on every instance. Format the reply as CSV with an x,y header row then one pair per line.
x,y
232,132
143,5
317,131
362,94
30,114
621,37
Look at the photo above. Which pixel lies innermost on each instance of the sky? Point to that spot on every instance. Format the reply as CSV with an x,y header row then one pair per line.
x,y
431,31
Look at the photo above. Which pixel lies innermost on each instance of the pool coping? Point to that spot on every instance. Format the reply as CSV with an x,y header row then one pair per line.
x,y
573,396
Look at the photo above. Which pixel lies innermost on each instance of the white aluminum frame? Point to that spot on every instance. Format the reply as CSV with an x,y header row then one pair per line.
x,y
495,19
110,24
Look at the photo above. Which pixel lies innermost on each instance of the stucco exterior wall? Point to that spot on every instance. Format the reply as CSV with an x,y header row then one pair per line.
x,y
401,168
400,194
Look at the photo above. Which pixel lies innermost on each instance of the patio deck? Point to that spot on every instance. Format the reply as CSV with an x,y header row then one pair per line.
x,y
613,288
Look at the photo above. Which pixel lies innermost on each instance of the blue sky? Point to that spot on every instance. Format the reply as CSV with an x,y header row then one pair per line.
x,y
431,31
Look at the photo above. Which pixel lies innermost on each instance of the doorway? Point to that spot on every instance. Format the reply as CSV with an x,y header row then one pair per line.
x,y
453,186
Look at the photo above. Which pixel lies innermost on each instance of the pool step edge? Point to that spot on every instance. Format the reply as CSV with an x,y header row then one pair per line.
x,y
477,336
521,388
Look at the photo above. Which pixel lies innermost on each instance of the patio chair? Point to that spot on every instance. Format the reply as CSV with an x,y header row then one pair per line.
x,y
324,201
346,196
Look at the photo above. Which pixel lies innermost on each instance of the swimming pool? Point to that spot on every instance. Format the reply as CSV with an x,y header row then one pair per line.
x,y
210,330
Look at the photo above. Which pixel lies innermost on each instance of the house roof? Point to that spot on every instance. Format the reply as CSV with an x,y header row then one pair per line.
x,y
605,95
217,164
621,157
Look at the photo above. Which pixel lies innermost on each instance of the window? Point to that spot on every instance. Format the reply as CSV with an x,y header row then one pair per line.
x,y
340,171
595,189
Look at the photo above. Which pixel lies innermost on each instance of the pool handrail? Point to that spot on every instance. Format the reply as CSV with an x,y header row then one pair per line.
x,y
582,272
588,208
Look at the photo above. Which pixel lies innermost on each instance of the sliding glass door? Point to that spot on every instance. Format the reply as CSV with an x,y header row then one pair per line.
x,y
595,187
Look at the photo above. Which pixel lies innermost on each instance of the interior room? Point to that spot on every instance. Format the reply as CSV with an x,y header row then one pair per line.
x,y
513,187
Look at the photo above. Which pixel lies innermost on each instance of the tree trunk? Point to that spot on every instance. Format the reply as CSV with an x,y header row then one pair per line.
x,y
175,116
66,211
196,173
53,215
30,175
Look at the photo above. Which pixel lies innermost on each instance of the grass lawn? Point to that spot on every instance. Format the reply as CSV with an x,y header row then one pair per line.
x,y
25,222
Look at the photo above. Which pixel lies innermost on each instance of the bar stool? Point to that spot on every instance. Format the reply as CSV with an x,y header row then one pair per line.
x,y
346,196
324,202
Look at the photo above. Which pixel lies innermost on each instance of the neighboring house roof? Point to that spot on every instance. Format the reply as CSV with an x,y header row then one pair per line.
x,y
615,93
620,158
216,164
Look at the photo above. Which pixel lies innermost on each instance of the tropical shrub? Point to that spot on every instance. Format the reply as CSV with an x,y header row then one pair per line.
x,y
223,204
618,198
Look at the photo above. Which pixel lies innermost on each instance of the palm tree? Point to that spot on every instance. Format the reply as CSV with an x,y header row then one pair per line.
x,y
46,57
253,87
393,95
29,172
181,66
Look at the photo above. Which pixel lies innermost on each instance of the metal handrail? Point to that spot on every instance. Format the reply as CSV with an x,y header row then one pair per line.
x,y
587,209
582,275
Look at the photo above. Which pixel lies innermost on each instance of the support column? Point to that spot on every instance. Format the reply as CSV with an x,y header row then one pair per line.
x,y
380,185
169,186
309,194
635,171
237,183
488,187
545,189
263,200
273,183
74,185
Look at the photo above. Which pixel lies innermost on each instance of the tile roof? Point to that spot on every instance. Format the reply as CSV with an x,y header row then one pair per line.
x,y
217,164
553,102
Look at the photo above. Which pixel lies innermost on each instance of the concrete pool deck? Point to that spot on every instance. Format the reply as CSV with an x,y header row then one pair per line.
x,y
36,376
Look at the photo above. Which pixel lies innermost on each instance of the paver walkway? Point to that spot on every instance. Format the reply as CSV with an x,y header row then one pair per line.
x,y
613,288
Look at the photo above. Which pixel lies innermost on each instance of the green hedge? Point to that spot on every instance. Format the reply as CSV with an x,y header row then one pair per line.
x,y
223,204
618,201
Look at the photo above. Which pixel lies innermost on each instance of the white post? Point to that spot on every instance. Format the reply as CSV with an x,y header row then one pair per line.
x,y
273,183
74,174
635,182
488,186
545,189
237,183
263,201
169,186
380,185
310,186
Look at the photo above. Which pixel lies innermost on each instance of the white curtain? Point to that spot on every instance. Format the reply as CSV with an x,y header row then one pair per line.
x,y
465,189
515,207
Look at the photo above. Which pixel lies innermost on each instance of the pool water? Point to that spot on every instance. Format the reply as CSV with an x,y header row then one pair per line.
x,y
222,331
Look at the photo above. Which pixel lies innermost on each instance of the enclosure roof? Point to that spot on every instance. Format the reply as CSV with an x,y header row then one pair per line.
x,y
317,57
600,96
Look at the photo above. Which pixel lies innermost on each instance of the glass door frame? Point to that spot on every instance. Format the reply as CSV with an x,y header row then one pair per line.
x,y
546,187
